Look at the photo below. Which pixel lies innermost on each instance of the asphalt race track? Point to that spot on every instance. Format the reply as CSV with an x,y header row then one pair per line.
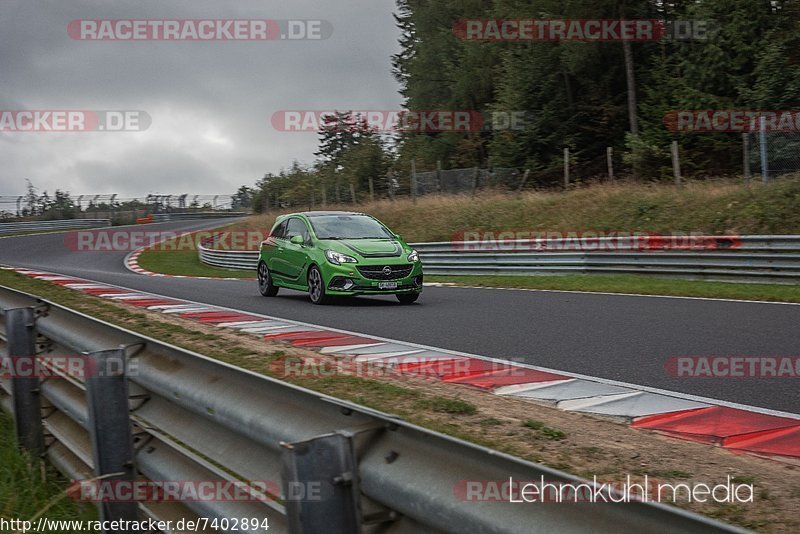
x,y
625,338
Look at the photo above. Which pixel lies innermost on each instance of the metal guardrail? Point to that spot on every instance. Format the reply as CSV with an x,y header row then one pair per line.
x,y
67,224
175,415
163,217
740,258
227,259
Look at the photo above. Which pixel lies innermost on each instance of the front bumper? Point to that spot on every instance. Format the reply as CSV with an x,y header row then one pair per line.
x,y
347,280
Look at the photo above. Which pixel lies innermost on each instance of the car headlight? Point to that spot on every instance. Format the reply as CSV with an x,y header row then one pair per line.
x,y
337,258
414,256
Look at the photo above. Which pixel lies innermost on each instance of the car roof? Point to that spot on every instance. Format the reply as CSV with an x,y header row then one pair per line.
x,y
319,214
324,213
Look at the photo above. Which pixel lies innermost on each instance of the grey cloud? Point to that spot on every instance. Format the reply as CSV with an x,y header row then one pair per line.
x,y
210,102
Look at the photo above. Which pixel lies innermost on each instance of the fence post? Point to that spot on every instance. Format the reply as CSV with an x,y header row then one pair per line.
x,y
746,157
371,190
475,180
439,175
524,179
414,180
610,162
353,192
20,329
110,426
566,167
762,136
320,485
390,184
676,164
324,196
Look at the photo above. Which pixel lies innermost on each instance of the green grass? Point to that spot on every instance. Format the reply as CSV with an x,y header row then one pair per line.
x,y
713,207
535,425
27,485
644,285
447,405
544,432
186,263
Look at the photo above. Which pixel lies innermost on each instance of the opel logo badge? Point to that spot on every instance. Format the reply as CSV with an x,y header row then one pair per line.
x,y
387,270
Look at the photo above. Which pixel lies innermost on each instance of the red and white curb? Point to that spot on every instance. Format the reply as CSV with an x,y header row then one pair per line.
x,y
733,426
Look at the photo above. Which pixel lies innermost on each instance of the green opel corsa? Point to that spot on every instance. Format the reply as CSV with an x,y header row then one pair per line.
x,y
330,253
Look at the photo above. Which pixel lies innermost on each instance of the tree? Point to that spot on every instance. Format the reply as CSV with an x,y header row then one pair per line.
x,y
243,198
338,133
31,200
61,207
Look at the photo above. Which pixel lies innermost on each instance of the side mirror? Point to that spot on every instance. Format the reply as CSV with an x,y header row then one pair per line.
x,y
297,240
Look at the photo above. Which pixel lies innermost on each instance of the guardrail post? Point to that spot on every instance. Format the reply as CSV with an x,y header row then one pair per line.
x,y
20,329
110,426
320,485
524,179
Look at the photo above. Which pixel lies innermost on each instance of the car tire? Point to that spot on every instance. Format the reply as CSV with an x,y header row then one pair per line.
x,y
265,284
316,286
407,298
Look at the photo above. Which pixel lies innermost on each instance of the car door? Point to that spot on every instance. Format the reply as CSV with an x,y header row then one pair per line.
x,y
295,257
273,248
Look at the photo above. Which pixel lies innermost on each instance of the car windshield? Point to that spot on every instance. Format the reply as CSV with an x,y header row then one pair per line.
x,y
348,227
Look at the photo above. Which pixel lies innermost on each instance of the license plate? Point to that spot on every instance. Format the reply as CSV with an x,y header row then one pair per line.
x,y
387,285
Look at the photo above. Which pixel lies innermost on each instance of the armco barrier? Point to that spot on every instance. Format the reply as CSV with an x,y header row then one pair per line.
x,y
43,226
191,216
740,258
227,259
175,415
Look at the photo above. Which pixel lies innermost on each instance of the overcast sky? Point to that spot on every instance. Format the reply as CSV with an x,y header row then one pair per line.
x,y
210,102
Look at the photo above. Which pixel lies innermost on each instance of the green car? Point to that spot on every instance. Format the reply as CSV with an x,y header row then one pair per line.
x,y
329,253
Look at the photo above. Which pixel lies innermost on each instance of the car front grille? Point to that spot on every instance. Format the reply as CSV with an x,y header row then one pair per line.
x,y
376,272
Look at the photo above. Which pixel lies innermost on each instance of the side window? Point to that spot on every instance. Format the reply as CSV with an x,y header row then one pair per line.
x,y
279,230
296,227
